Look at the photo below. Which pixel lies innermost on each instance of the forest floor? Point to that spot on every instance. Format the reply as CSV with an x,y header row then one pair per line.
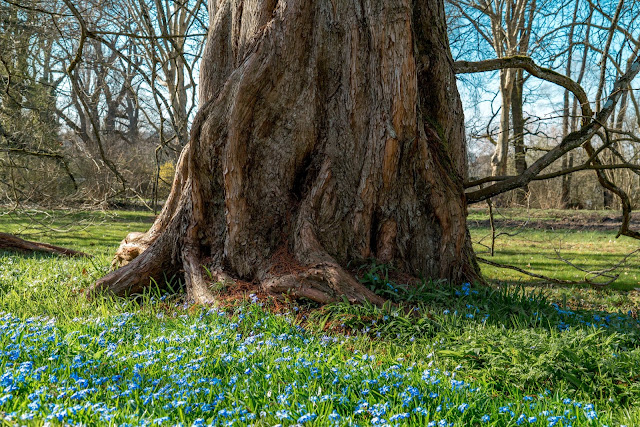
x,y
518,352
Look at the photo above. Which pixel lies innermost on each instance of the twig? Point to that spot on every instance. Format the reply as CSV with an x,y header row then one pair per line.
x,y
598,273
587,279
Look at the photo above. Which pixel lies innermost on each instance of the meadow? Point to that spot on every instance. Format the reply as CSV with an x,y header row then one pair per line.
x,y
517,352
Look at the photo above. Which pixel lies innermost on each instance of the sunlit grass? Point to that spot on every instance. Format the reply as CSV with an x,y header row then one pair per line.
x,y
466,355
95,232
544,251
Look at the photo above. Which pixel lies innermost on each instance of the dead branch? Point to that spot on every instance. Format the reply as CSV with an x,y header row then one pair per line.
x,y
9,242
542,277
599,273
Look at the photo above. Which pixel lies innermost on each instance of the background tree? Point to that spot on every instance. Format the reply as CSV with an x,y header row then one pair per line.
x,y
29,149
120,96
569,40
505,27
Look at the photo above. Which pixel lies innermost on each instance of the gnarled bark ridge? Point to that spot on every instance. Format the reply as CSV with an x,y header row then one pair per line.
x,y
330,129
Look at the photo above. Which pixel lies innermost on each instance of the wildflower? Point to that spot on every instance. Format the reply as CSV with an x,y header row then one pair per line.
x,y
306,418
399,416
282,414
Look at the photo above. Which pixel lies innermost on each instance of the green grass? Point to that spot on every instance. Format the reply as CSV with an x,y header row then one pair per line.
x,y
523,214
93,232
541,251
457,353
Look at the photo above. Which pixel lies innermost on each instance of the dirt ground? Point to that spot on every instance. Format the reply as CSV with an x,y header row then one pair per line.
x,y
552,219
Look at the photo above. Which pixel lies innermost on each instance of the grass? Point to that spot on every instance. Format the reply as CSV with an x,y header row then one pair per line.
x,y
537,249
93,232
467,355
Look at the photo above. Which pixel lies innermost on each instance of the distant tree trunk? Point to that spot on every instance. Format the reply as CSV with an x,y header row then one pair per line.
x,y
517,117
330,132
607,199
565,196
501,152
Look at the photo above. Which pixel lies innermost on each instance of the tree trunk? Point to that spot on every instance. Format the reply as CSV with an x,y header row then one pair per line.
x,y
607,199
330,132
565,196
500,155
517,114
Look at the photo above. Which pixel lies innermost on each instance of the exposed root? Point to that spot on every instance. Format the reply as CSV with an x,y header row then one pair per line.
x,y
323,283
313,273
136,243
136,275
133,245
9,242
197,289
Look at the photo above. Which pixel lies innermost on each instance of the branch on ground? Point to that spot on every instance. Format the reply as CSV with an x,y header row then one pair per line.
x,y
589,277
9,242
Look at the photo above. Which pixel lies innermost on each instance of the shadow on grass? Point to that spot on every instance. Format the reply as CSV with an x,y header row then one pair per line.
x,y
506,337
428,308
550,265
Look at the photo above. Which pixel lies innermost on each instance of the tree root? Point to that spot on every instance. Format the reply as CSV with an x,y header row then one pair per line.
x,y
323,283
133,245
137,274
197,289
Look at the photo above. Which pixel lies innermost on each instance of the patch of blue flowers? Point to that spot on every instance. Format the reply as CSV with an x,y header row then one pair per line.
x,y
597,320
250,367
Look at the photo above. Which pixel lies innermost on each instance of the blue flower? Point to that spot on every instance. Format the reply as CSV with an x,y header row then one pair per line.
x,y
306,418
282,414
399,416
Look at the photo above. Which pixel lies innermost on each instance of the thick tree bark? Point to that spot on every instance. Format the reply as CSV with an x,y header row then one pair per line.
x,y
330,132
9,242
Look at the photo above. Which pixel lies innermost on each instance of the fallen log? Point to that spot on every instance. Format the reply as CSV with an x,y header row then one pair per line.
x,y
9,242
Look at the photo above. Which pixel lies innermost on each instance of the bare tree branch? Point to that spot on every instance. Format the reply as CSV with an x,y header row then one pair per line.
x,y
570,142
526,63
